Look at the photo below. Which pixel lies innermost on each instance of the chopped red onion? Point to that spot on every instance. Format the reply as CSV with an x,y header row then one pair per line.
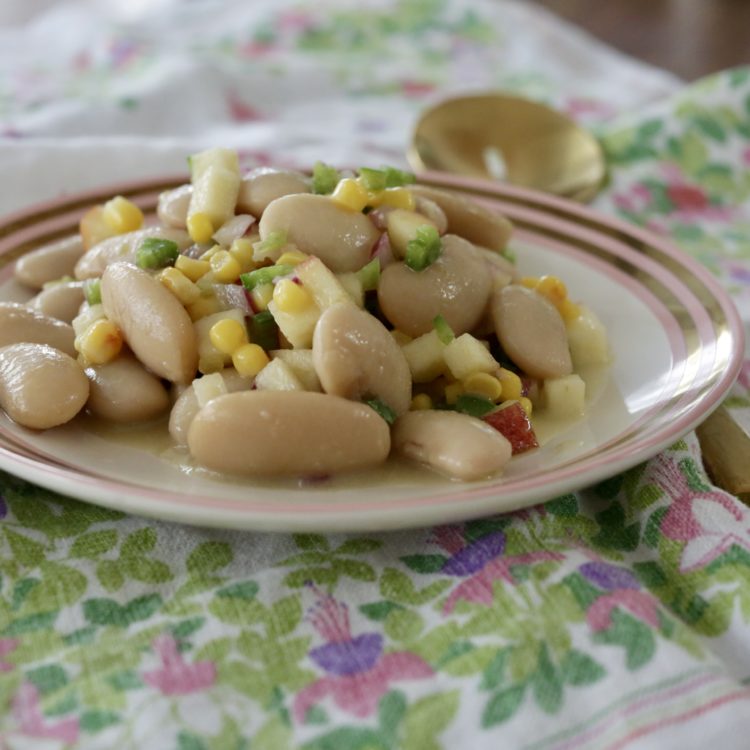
x,y
233,229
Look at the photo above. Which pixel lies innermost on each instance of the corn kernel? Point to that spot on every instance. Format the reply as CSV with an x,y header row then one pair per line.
x,y
225,267
191,267
350,194
122,215
526,404
261,295
291,297
200,227
100,343
398,197
180,285
400,337
242,251
511,383
483,384
249,360
553,289
452,392
211,362
211,252
227,335
421,402
529,282
203,306
569,310
292,258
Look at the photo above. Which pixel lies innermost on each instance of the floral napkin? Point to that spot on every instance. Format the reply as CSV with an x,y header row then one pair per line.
x,y
614,617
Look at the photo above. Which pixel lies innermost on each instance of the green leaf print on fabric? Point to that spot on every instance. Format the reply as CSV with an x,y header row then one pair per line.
x,y
427,718
94,543
48,678
110,612
578,668
547,683
502,705
27,551
208,557
637,639
614,532
95,721
378,611
321,565
396,586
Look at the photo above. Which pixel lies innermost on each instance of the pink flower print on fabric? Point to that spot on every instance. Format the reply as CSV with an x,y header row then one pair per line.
x,y
31,722
358,672
635,200
709,522
482,563
7,646
176,676
622,590
239,111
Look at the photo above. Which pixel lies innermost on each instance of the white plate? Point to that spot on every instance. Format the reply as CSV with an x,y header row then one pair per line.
x,y
675,336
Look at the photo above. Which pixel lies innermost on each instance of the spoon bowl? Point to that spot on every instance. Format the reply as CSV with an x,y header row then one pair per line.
x,y
509,138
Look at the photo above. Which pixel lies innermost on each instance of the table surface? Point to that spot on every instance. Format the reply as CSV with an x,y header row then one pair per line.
x,y
688,37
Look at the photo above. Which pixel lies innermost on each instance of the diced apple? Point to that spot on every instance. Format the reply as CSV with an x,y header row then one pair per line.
x,y
300,361
514,424
215,175
225,158
564,398
277,375
353,285
424,355
587,339
94,228
321,282
466,355
210,359
209,387
297,328
402,226
215,194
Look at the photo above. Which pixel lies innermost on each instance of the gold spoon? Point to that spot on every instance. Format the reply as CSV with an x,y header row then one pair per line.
x,y
511,139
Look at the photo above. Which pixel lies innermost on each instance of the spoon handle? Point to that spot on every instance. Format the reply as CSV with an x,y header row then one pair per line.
x,y
726,453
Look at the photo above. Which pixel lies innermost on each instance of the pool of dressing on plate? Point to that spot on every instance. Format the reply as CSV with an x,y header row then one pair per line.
x,y
153,437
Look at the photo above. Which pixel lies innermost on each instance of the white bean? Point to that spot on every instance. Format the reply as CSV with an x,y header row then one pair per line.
x,y
451,443
21,324
61,300
341,238
287,433
356,357
123,248
154,323
49,262
456,286
125,391
469,219
263,185
40,387
172,208
531,331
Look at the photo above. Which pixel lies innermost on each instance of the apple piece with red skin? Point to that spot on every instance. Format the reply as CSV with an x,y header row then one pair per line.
x,y
514,424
